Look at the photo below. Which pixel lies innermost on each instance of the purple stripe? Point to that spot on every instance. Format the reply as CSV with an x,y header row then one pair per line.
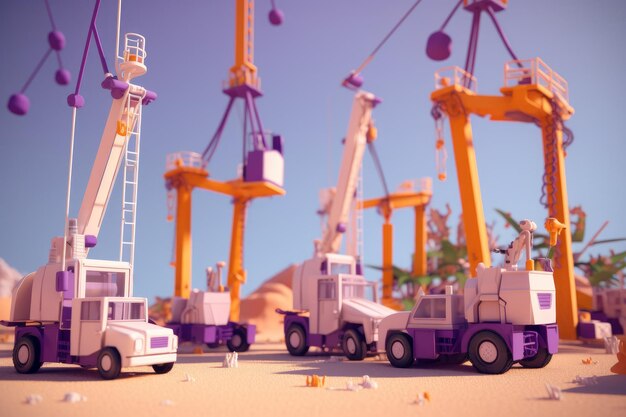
x,y
545,300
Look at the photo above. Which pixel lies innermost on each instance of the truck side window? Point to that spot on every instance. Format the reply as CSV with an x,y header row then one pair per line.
x,y
327,290
90,310
423,310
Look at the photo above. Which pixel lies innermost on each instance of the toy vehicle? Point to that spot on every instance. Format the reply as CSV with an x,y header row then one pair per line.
x,y
505,316
329,294
77,310
339,314
203,318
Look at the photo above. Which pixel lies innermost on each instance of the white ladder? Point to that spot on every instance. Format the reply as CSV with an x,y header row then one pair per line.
x,y
132,118
354,240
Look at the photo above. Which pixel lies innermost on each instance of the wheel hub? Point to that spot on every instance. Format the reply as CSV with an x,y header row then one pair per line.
x,y
397,350
236,340
23,354
488,352
351,345
294,339
106,363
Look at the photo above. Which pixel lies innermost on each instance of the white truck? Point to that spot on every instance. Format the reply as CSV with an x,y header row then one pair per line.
x,y
331,307
505,316
81,311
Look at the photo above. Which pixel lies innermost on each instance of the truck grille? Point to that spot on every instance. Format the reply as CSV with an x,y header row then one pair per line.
x,y
545,300
158,342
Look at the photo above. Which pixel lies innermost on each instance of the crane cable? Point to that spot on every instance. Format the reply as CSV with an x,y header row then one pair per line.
x,y
370,57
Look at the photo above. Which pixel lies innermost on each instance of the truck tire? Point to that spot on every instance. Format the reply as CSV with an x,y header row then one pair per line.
x,y
489,354
109,363
399,349
163,368
541,359
353,345
239,341
295,339
27,355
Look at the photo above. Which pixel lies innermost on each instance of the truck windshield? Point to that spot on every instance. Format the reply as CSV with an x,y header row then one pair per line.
x,y
357,290
126,310
338,268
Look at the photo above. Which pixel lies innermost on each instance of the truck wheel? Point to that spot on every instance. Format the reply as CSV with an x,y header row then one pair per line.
x,y
27,355
489,354
109,363
295,339
163,368
541,359
353,345
399,348
239,341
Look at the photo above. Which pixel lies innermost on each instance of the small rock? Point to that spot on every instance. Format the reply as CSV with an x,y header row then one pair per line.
x,y
74,397
33,399
422,398
231,360
586,381
369,383
189,378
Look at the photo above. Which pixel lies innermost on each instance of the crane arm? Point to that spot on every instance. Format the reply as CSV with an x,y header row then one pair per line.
x,y
121,121
354,148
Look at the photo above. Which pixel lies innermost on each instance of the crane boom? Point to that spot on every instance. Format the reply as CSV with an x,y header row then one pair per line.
x,y
360,132
107,162
244,71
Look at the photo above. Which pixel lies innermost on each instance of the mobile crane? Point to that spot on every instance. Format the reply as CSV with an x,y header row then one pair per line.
x,y
506,315
263,172
77,310
330,308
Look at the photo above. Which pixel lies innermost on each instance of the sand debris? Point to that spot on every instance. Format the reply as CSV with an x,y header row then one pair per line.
x,y
586,381
554,393
611,345
189,378
33,399
315,381
74,397
589,361
366,383
422,398
231,360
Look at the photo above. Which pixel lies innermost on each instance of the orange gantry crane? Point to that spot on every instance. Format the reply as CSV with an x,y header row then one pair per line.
x,y
532,93
385,206
263,166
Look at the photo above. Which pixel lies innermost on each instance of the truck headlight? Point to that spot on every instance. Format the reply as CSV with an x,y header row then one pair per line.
x,y
138,345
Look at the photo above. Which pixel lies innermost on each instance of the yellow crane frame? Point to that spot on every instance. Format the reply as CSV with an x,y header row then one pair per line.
x,y
385,205
532,93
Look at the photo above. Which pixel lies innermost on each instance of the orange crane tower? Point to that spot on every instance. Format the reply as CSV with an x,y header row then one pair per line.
x,y
385,205
532,93
262,172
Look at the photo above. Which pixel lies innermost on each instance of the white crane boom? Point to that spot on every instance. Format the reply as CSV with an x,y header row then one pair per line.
x,y
360,132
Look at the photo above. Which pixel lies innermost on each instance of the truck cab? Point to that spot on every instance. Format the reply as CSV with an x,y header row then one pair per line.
x,y
337,307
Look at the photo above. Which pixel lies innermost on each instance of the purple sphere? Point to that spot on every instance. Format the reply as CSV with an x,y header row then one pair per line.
x,y
62,76
276,17
18,104
56,39
439,46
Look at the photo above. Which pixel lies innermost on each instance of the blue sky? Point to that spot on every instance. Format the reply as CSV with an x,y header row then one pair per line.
x,y
301,64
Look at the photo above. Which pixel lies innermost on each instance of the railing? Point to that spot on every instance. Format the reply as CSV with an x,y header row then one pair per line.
x,y
448,76
184,159
135,48
535,71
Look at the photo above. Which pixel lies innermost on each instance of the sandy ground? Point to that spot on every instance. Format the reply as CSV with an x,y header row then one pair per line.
x,y
269,382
